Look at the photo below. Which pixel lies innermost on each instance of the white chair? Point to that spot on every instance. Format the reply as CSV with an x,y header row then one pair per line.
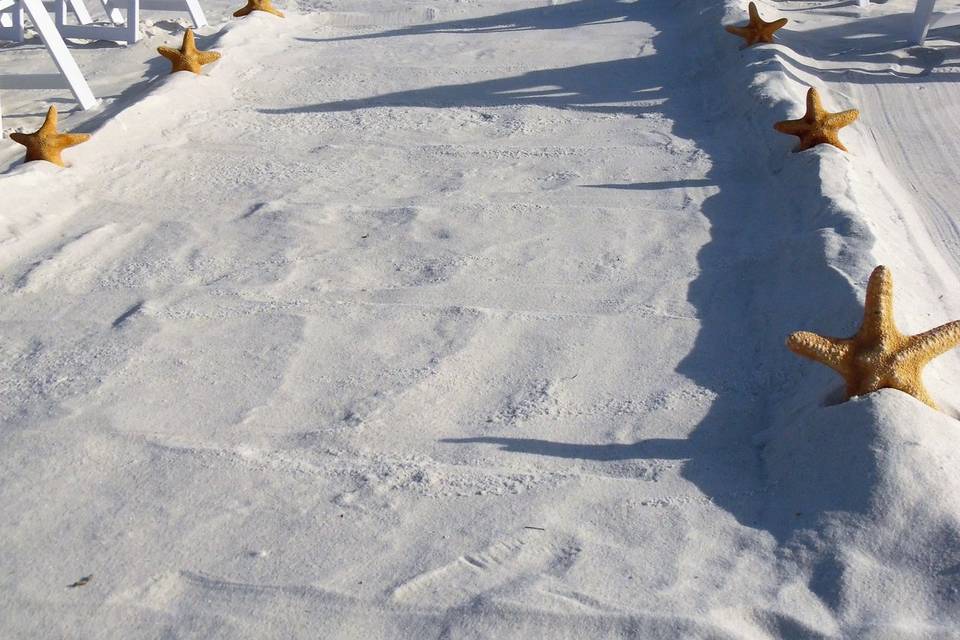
x,y
12,13
124,17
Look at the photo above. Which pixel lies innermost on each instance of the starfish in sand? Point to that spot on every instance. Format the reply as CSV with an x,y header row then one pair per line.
x,y
879,356
187,57
46,143
818,126
258,5
756,30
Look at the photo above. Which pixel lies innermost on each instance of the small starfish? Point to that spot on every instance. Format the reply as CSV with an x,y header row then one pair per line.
x,y
818,126
879,356
258,5
756,30
188,57
46,143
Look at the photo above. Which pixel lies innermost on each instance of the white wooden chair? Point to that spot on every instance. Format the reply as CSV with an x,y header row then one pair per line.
x,y
12,14
124,18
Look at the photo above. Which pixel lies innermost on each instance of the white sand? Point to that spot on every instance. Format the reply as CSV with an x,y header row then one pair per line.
x,y
465,319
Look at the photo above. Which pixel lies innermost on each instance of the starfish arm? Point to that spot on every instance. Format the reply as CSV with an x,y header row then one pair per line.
x,y
831,137
753,13
64,140
815,111
173,55
878,306
206,57
275,12
243,11
776,25
737,31
189,42
842,119
832,352
792,127
769,28
926,346
21,138
50,123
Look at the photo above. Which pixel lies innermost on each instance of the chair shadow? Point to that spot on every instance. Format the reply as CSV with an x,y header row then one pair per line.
x,y
662,448
654,186
605,87
850,46
561,16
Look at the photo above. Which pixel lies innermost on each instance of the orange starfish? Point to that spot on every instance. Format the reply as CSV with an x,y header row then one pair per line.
x,y
756,30
46,143
879,356
187,57
818,126
258,5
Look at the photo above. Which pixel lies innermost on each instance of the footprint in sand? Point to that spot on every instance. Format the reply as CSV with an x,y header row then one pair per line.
x,y
528,554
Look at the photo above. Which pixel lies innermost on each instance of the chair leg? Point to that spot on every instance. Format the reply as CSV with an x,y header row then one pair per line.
x,y
60,14
113,12
133,20
196,13
921,21
59,52
80,10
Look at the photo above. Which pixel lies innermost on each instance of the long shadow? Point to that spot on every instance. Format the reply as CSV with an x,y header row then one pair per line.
x,y
660,448
626,86
653,186
562,16
763,272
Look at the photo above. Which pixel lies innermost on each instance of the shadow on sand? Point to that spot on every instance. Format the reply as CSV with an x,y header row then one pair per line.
x,y
762,274
870,50
563,16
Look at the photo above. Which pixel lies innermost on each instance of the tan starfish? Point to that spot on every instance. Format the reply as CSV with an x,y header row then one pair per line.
x,y
188,57
818,126
46,143
756,30
879,356
258,5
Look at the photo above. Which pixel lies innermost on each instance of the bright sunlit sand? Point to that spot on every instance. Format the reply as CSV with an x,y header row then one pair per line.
x,y
466,319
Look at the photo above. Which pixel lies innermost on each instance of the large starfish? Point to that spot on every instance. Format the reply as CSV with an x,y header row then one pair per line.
x,y
188,57
46,143
258,5
756,30
817,126
879,356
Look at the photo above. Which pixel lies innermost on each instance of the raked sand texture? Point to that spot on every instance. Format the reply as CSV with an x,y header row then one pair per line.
x,y
466,320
